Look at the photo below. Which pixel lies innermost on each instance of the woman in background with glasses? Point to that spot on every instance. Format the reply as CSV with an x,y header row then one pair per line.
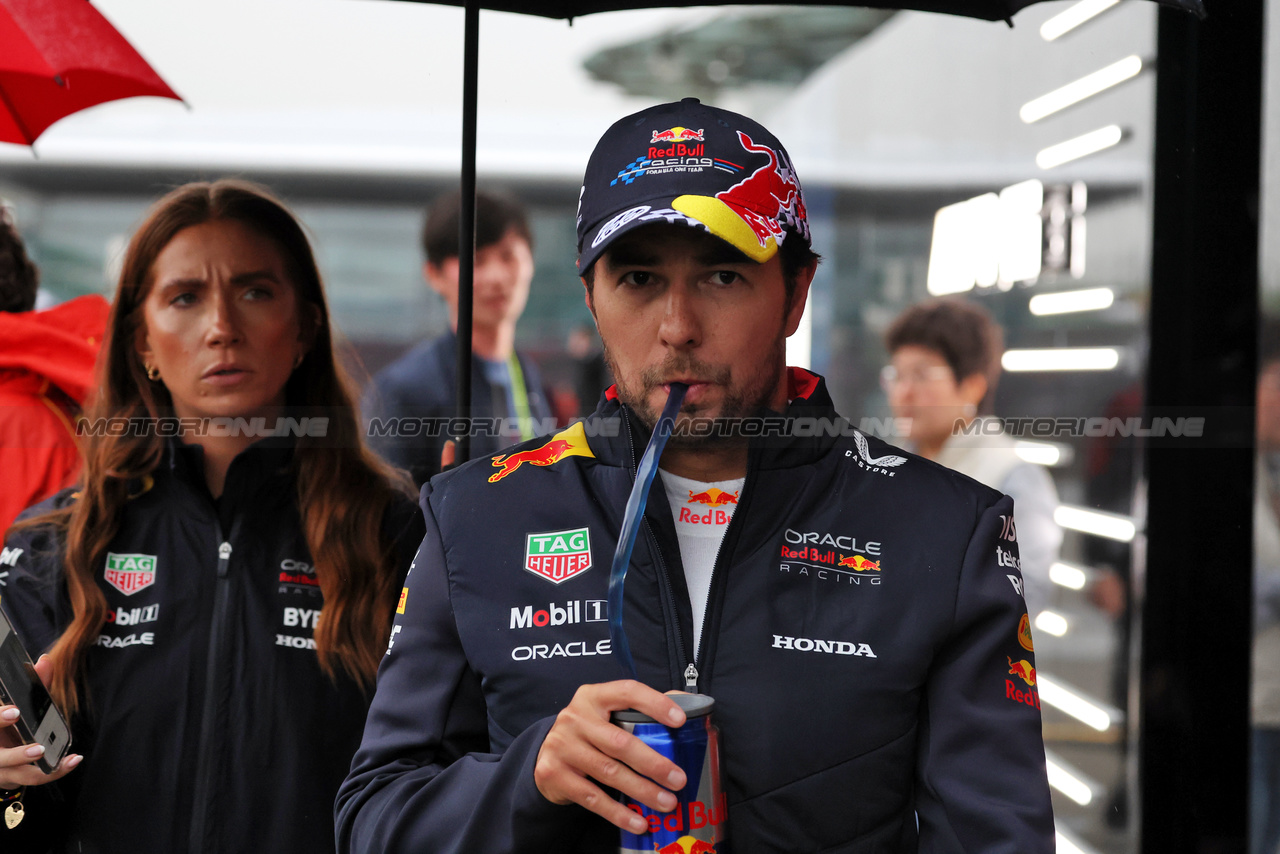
x,y
944,366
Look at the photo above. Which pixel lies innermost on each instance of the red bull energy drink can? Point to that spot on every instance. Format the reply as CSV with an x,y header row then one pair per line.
x,y
699,823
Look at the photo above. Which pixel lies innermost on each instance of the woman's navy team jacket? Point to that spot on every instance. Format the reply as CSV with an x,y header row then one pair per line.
x,y
866,643
208,723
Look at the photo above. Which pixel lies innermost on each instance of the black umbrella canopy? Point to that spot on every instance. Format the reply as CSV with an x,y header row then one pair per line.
x,y
990,10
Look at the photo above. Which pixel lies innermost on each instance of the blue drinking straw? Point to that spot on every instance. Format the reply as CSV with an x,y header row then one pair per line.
x,y
631,522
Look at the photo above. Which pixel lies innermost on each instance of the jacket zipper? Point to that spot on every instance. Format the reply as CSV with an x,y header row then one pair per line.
x,y
677,634
664,577
691,673
201,806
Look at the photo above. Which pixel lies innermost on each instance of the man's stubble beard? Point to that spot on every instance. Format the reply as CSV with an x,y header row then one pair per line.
x,y
752,400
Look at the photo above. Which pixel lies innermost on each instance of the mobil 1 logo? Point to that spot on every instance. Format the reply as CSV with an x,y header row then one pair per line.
x,y
570,613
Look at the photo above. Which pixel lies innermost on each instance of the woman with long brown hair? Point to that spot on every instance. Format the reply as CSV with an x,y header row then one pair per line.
x,y
227,503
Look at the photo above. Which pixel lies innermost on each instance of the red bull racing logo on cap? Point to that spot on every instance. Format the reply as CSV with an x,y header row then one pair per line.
x,y
677,149
567,443
677,134
753,214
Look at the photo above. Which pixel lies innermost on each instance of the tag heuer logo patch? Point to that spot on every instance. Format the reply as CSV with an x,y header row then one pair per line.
x,y
130,573
558,555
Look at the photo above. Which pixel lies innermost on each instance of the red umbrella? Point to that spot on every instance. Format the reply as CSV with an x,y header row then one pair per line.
x,y
58,57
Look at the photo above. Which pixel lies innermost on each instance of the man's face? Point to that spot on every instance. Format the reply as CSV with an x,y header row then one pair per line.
x,y
502,275
673,303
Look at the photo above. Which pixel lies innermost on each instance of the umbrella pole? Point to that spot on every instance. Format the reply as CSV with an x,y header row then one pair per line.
x,y
467,228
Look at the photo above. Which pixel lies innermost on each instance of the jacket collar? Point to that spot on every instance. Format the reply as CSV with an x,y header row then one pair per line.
x,y
265,461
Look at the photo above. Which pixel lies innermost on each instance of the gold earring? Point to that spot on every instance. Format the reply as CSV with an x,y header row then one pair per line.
x,y
153,373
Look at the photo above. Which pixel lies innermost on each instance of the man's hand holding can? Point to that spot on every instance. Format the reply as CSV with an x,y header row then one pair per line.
x,y
583,746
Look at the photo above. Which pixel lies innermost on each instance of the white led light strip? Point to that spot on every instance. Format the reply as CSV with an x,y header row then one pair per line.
x,y
1080,146
1064,22
1078,90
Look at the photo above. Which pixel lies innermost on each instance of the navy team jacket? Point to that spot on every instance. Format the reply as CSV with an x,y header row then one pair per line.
x,y
866,642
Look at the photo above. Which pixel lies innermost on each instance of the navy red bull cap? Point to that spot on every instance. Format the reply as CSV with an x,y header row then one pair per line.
x,y
692,164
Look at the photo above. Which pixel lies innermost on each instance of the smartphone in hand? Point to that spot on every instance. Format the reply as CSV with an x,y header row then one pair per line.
x,y
40,722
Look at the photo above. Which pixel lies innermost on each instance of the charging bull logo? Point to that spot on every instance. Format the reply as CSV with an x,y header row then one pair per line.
x,y
686,845
753,214
567,443
677,134
1023,670
858,563
712,497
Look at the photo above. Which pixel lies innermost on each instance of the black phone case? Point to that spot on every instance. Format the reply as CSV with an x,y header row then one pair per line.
x,y
24,726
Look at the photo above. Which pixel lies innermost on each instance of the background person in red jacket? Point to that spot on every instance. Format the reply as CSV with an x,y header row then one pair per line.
x,y
46,370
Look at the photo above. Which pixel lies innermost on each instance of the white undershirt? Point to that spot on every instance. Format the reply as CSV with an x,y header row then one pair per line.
x,y
701,512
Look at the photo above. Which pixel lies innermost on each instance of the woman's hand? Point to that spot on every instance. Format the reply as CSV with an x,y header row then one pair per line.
x,y
17,760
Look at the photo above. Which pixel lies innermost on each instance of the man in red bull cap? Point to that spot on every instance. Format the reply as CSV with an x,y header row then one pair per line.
x,y
861,711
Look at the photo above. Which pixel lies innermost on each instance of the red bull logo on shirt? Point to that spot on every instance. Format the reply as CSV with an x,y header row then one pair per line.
x,y
712,497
